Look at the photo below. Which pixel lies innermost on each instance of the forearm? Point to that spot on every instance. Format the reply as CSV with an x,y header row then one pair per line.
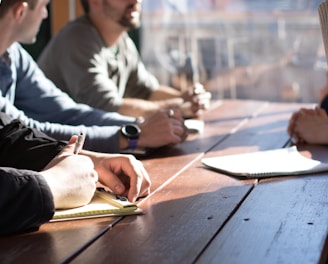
x,y
144,108
137,107
163,93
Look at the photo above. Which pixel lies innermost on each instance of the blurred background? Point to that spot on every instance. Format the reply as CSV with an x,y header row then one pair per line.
x,y
268,49
248,49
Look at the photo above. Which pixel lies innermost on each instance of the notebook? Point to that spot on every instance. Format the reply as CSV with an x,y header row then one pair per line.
x,y
102,204
262,164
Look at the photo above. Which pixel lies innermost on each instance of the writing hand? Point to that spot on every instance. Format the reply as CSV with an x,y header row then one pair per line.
x,y
71,178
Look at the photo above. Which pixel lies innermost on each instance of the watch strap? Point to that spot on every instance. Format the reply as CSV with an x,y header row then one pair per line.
x,y
132,143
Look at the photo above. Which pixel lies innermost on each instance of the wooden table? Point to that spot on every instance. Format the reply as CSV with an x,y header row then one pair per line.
x,y
196,215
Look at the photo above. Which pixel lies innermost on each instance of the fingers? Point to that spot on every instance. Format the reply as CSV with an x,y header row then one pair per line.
x,y
174,113
200,98
125,175
291,125
140,183
177,122
69,148
179,129
305,123
196,99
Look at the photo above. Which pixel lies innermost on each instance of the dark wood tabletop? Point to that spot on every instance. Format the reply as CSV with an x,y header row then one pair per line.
x,y
197,215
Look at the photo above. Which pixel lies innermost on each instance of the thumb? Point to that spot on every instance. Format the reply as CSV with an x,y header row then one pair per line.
x,y
69,148
72,139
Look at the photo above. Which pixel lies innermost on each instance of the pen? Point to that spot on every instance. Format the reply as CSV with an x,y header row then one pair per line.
x,y
79,143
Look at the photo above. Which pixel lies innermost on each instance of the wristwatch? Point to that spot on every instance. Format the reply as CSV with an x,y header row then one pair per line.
x,y
131,132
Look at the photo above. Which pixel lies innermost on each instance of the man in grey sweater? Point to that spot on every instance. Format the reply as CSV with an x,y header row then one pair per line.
x,y
95,61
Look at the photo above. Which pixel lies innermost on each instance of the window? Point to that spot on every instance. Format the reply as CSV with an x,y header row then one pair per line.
x,y
266,50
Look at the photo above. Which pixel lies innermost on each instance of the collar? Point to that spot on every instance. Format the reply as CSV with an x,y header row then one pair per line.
x,y
5,57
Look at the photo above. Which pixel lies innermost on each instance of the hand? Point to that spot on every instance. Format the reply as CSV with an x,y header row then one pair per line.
x,y
71,178
309,126
294,123
291,126
196,99
160,129
122,174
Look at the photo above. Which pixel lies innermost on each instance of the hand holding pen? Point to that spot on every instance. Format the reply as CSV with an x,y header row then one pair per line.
x,y
72,178
122,174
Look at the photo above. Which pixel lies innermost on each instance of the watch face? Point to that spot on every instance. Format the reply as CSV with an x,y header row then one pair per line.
x,y
131,131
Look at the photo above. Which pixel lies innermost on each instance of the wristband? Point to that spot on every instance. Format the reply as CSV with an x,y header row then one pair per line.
x,y
132,143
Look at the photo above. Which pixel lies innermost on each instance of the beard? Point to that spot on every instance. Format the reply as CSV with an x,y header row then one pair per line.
x,y
130,18
130,22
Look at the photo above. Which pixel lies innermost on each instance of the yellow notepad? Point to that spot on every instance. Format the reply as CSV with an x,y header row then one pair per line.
x,y
102,204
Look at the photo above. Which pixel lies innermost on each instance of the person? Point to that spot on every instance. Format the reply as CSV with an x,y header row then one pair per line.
x,y
28,95
323,95
309,125
39,174
95,61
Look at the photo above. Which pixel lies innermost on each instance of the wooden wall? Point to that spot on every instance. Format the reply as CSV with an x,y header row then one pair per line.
x,y
62,11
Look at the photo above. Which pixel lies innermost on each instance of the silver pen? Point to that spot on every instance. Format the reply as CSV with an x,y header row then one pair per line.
x,y
79,143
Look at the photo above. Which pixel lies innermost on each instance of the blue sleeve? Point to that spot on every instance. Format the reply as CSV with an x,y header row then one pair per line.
x,y
26,201
41,105
40,99
98,138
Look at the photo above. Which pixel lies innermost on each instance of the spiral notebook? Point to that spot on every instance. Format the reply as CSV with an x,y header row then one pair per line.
x,y
102,204
262,164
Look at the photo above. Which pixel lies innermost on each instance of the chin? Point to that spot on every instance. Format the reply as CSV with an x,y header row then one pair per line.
x,y
131,23
28,41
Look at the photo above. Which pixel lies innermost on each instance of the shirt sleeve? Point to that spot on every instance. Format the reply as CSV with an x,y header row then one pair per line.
x,y
41,105
22,147
26,201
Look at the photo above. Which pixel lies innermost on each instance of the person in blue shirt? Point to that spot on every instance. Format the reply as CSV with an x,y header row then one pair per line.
x,y
28,95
